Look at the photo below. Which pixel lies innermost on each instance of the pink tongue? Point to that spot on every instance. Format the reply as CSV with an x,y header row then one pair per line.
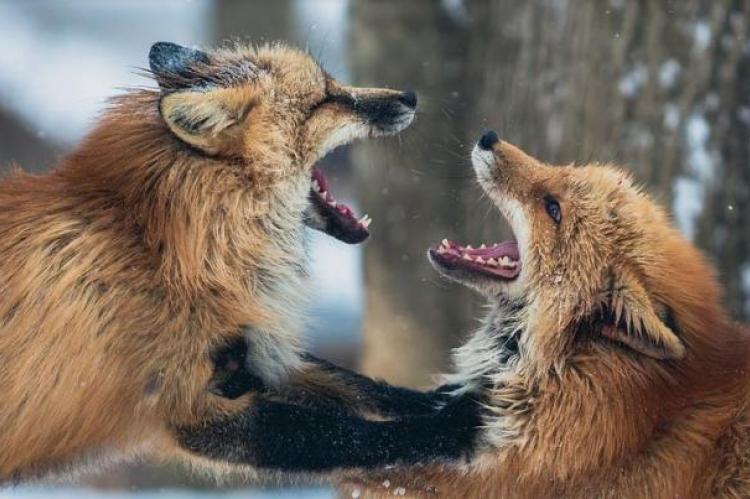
x,y
508,248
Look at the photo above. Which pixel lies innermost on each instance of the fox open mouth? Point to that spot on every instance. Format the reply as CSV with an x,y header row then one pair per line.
x,y
335,219
500,260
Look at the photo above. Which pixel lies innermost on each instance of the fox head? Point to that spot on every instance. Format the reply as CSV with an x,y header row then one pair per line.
x,y
595,259
275,111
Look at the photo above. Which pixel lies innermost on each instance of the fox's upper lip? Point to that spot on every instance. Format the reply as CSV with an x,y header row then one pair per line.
x,y
500,260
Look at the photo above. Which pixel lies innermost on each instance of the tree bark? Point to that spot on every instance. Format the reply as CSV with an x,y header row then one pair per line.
x,y
656,87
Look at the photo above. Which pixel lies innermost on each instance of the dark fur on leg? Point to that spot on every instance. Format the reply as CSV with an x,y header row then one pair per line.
x,y
231,378
347,390
385,399
281,436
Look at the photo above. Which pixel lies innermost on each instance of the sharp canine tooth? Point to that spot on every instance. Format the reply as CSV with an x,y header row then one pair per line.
x,y
483,246
468,247
492,262
466,257
445,243
480,260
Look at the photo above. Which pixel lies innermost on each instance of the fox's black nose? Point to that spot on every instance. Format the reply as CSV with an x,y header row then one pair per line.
x,y
488,140
408,99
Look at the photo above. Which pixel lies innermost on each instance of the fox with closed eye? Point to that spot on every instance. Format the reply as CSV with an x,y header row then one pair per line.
x,y
606,365
152,286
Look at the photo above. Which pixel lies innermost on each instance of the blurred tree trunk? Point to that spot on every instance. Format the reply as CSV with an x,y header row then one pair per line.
x,y
658,87
412,192
255,20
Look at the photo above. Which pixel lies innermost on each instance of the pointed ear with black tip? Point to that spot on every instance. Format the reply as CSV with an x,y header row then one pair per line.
x,y
173,64
635,322
207,120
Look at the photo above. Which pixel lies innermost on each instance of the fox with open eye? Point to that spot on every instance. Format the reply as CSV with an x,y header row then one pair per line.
x,y
606,365
152,286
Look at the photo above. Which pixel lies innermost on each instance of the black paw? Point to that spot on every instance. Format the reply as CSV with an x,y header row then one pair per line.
x,y
231,378
461,421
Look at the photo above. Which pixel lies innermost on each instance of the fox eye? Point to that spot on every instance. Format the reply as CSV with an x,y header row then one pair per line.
x,y
553,209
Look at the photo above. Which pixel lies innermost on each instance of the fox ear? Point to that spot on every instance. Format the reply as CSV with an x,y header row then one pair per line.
x,y
206,119
635,323
169,61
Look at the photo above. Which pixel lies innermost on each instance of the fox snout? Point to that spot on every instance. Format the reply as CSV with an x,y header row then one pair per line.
x,y
501,165
488,140
385,111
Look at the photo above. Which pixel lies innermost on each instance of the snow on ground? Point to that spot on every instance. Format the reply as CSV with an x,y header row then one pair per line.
x,y
79,493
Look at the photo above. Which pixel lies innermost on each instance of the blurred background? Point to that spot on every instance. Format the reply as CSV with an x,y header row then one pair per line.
x,y
660,87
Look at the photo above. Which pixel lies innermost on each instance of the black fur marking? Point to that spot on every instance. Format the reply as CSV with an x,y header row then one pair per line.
x,y
345,100
508,347
190,124
388,400
382,112
180,68
167,57
231,378
281,436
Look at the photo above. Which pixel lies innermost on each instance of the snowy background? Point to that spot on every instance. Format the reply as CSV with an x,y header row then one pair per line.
x,y
660,88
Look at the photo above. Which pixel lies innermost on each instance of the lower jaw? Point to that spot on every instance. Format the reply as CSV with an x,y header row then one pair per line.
x,y
499,262
331,217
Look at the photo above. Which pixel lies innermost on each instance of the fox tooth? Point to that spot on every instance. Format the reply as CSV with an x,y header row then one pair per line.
x,y
479,259
445,243
483,246
492,262
467,257
468,247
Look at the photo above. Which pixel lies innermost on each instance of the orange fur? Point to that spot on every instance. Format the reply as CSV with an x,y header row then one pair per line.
x,y
126,266
633,409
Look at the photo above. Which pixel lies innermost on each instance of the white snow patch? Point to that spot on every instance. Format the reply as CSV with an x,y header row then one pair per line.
x,y
701,36
82,493
671,116
700,160
744,114
745,272
456,9
633,80
687,204
700,172
668,73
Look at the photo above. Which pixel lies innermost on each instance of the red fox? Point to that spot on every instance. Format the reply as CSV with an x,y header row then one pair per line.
x,y
158,273
606,366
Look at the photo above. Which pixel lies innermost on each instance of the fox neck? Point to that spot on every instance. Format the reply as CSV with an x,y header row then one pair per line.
x,y
224,237
493,352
